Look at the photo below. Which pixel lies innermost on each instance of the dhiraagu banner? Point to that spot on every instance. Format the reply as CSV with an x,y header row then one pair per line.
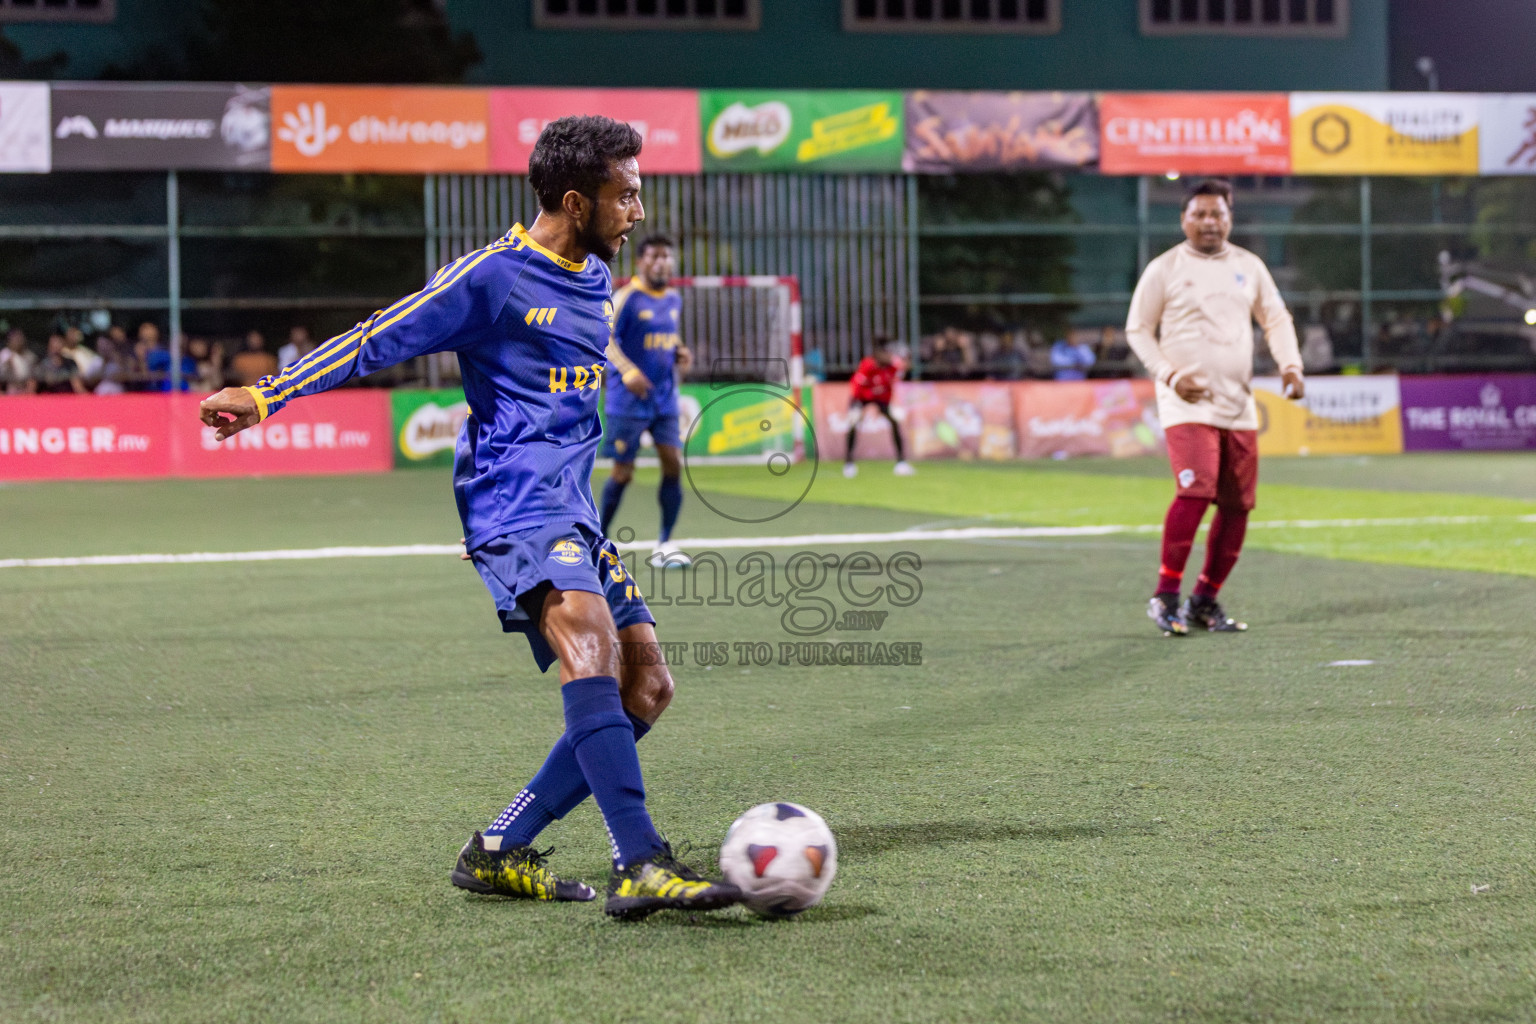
x,y
769,130
427,424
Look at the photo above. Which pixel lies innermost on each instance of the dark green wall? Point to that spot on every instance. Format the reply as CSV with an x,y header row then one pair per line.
x,y
802,45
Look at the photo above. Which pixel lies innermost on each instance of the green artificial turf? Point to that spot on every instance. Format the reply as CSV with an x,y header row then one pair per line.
x,y
1136,492
233,792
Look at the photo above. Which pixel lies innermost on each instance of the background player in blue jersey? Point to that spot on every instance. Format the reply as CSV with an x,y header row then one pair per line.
x,y
530,317
647,355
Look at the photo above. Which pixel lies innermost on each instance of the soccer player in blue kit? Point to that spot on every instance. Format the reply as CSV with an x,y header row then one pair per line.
x,y
647,353
530,317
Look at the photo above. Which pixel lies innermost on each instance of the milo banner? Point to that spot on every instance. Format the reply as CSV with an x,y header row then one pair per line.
x,y
765,130
427,424
1384,133
950,132
1340,416
715,423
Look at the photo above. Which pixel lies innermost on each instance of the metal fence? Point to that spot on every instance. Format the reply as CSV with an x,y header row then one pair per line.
x,y
849,239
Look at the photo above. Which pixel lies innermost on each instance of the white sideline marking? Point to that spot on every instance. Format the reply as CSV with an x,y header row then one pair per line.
x,y
709,543
1351,663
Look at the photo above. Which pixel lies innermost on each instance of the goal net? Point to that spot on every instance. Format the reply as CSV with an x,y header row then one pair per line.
x,y
740,401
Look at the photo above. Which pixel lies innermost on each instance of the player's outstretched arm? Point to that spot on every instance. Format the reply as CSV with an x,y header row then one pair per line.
x,y
456,309
231,411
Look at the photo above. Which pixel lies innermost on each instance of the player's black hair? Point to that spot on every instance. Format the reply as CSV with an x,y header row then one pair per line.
x,y
1209,187
577,154
657,241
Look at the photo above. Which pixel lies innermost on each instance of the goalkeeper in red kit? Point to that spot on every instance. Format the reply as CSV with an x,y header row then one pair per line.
x,y
874,383
1191,325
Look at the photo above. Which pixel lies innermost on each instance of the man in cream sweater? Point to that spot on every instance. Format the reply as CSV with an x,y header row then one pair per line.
x,y
1191,325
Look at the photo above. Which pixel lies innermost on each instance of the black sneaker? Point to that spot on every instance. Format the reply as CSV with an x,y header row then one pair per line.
x,y
518,872
662,882
1206,613
1163,609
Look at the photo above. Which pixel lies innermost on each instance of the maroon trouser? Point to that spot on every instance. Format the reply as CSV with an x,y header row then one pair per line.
x,y
1209,464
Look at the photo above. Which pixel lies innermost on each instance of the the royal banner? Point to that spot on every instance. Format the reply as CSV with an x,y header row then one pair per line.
x,y
101,126
1349,415
25,128
1506,134
89,437
1384,133
667,120
400,130
959,132
765,130
1067,419
1195,133
1492,412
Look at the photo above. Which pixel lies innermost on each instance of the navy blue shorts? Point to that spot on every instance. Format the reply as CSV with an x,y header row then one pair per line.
x,y
622,437
519,569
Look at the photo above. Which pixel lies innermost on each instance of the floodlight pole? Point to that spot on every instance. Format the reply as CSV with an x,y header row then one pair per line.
x,y
173,272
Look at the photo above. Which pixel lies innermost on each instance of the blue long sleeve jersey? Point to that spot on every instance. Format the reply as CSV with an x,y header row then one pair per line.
x,y
530,329
645,339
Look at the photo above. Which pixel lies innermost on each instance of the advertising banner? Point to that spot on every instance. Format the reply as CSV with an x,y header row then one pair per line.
x,y
24,127
1384,133
1195,133
399,130
1067,419
950,132
117,126
667,119
1506,134
84,437
767,130
89,437
1340,416
1494,412
426,425
741,420
944,420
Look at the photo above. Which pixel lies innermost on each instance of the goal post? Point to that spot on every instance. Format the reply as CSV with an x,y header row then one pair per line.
x,y
740,402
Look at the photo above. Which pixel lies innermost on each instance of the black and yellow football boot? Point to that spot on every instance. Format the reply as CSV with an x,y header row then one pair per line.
x,y
662,882
518,872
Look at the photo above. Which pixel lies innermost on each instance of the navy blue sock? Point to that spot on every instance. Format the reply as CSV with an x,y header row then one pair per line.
x,y
670,497
603,737
613,493
557,790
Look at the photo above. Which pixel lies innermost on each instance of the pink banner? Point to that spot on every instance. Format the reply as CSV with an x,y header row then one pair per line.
x,y
998,420
667,119
85,437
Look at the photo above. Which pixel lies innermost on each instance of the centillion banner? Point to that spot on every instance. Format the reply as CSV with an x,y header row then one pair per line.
x,y
1384,133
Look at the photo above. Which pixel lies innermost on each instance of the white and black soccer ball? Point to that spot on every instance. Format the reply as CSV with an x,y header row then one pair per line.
x,y
782,856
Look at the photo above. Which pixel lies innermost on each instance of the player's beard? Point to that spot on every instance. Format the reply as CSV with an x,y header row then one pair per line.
x,y
592,240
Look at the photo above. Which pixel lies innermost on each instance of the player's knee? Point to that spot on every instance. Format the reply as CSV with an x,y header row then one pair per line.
x,y
623,472
671,461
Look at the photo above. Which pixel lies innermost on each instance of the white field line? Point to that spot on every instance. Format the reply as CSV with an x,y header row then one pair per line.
x,y
710,543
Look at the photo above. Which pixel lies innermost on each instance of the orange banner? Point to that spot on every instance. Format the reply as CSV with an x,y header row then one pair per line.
x,y
342,128
1066,419
1199,133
